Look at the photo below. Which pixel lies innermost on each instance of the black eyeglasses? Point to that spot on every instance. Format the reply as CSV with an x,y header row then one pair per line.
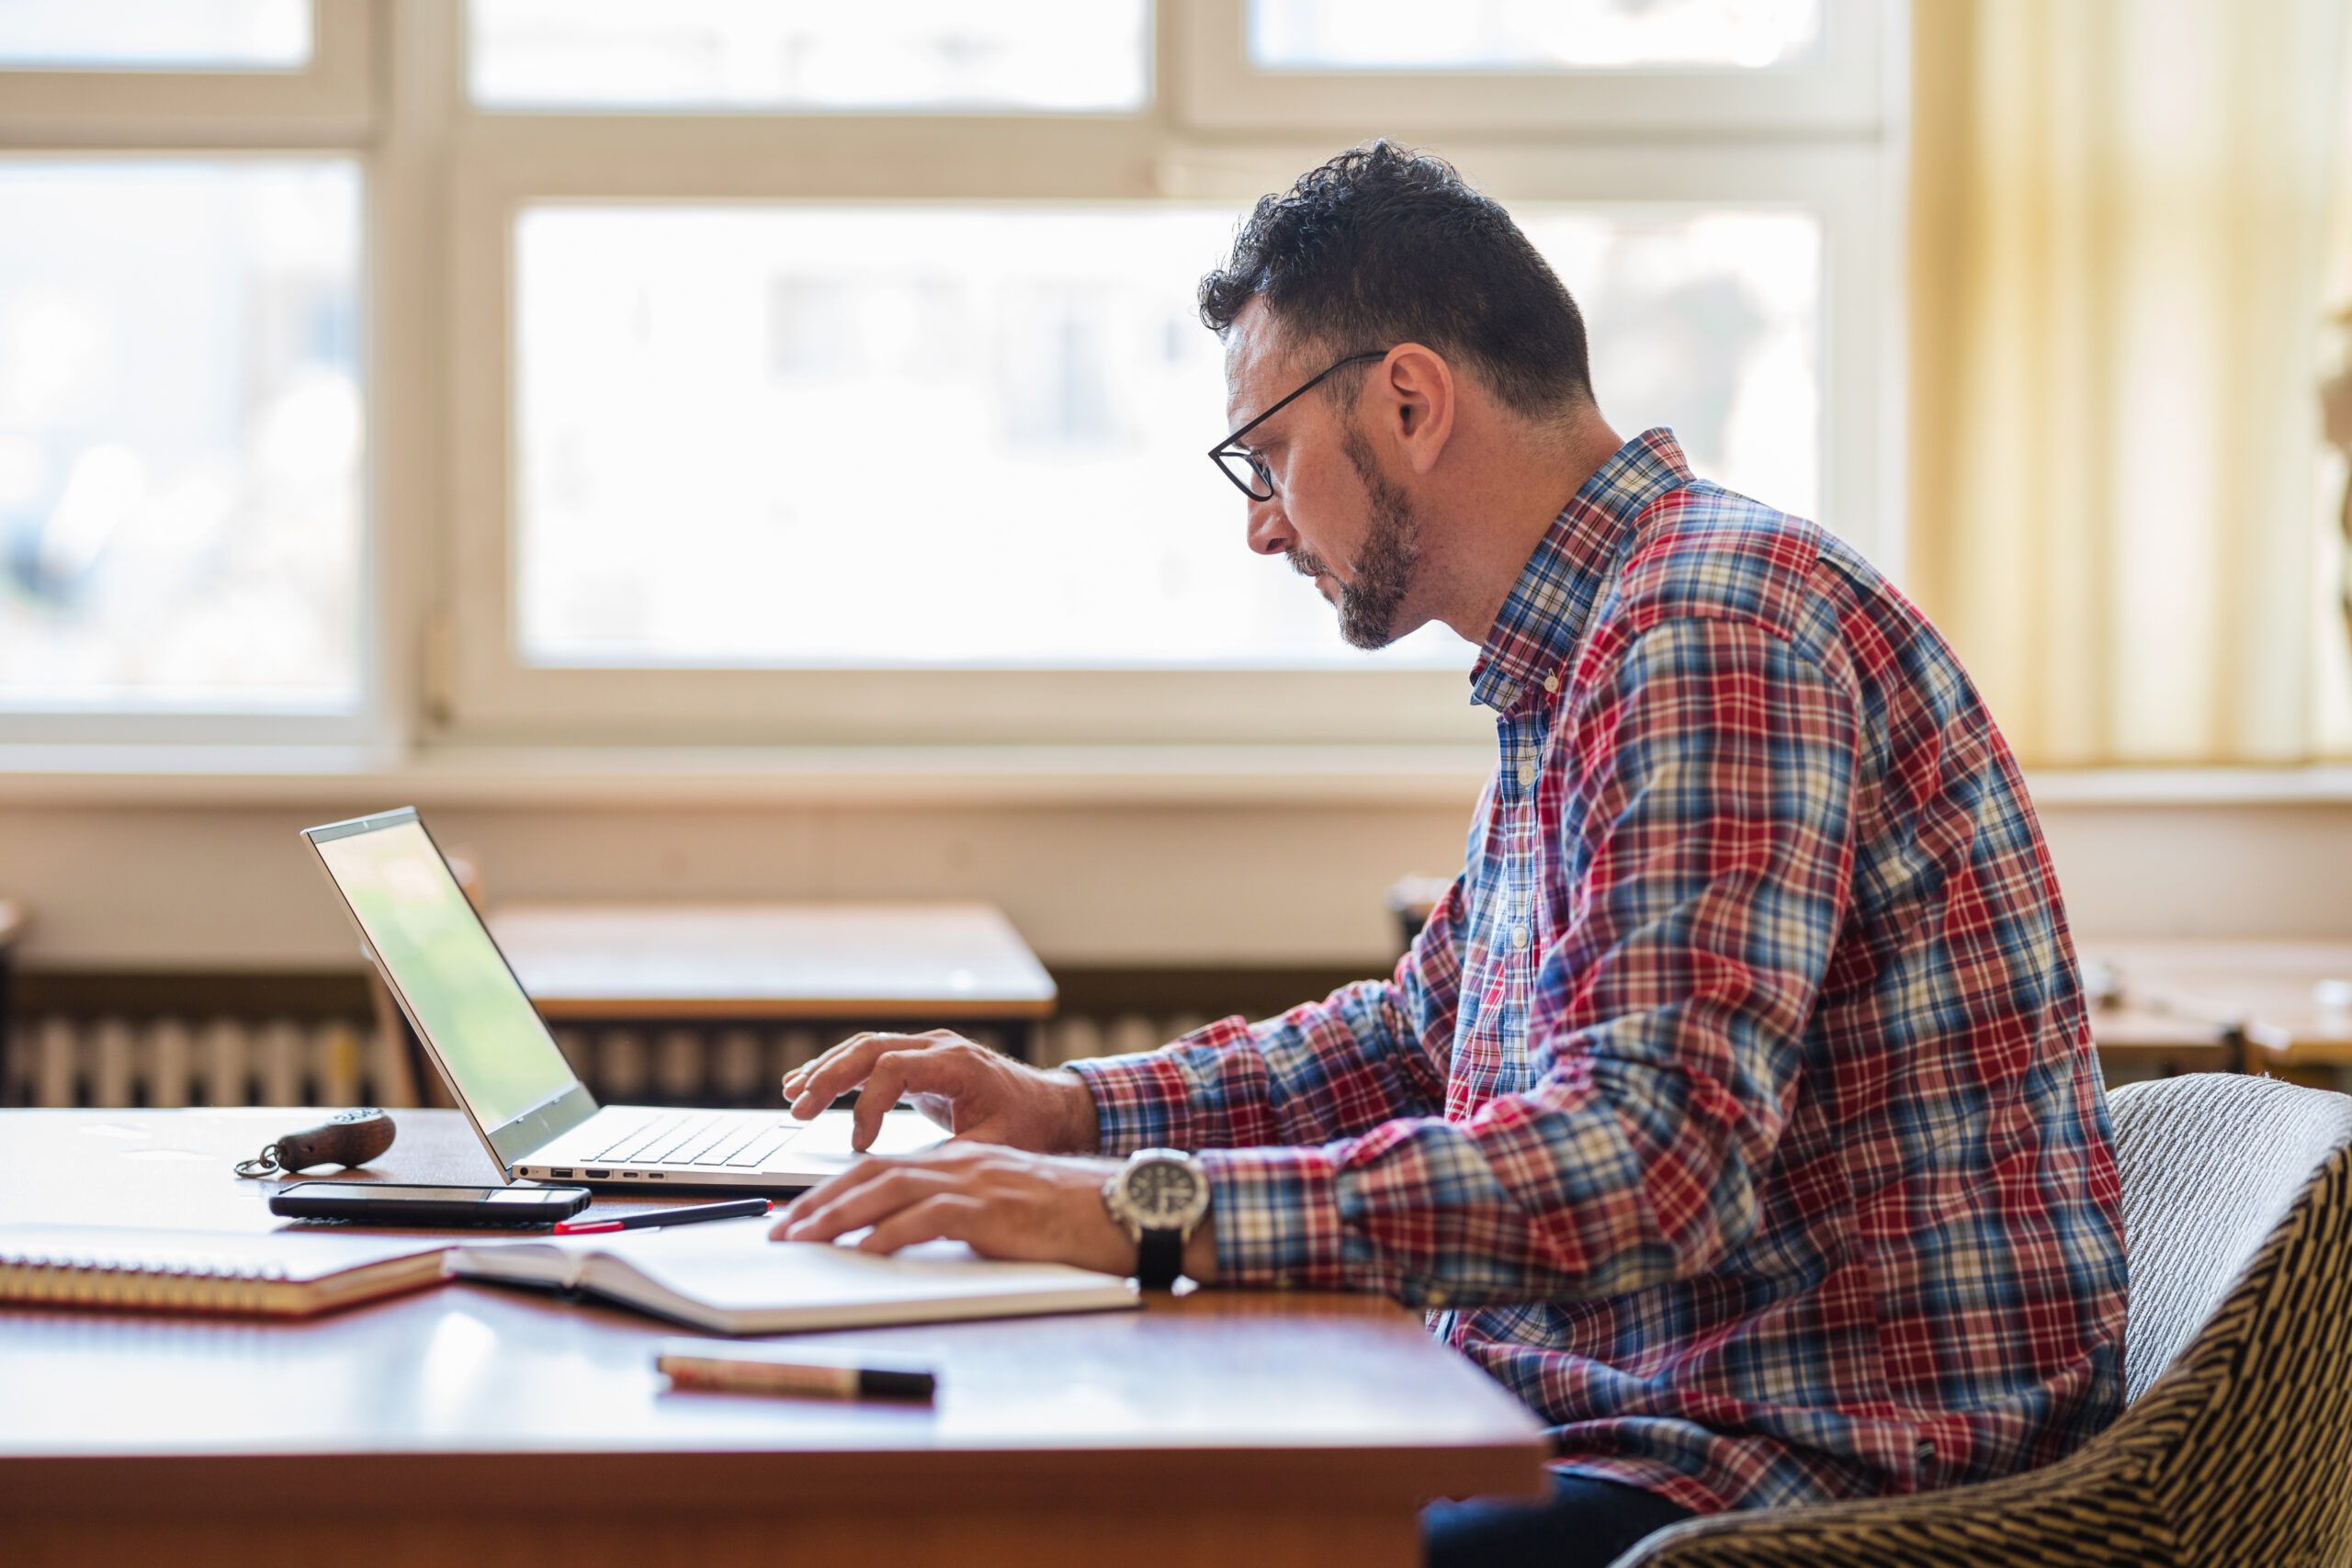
x,y
1246,468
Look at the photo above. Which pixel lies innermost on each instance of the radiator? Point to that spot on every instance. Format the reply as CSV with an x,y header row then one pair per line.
x,y
59,1060
56,1060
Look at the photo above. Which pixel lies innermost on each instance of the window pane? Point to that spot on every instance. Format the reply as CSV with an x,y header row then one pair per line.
x,y
180,433
857,436
170,35
1529,35
871,436
1709,323
749,55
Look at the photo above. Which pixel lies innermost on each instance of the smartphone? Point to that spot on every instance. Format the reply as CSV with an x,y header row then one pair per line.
x,y
381,1203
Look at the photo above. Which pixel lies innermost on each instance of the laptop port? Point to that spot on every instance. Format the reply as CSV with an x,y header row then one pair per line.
x,y
560,1173
596,1175
656,1175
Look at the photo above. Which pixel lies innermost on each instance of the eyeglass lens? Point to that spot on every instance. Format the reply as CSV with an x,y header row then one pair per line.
x,y
1246,470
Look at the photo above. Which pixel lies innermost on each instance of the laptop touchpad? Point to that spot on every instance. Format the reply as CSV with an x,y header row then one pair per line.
x,y
903,1133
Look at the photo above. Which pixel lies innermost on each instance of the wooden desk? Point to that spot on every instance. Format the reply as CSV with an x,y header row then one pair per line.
x,y
470,1425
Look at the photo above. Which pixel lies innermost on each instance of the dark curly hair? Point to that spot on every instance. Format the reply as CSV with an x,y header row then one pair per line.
x,y
1383,245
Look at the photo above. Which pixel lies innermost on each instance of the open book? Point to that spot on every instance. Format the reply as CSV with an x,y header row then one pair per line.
x,y
274,1274
725,1277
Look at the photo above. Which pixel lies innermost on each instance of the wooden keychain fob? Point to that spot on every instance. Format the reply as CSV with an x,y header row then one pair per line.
x,y
345,1138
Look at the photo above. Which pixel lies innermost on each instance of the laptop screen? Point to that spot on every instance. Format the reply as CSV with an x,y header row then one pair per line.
x,y
435,950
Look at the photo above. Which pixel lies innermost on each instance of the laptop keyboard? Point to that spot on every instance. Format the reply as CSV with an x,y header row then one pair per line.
x,y
707,1139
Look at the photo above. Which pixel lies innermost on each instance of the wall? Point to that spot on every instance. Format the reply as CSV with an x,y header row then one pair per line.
x,y
177,887
193,889
2276,869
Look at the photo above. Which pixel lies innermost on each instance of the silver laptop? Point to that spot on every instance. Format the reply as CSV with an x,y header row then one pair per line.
x,y
535,1116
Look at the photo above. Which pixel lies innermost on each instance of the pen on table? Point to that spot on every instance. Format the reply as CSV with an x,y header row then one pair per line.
x,y
647,1221
808,1379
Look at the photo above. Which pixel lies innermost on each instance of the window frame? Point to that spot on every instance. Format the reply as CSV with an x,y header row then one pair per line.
x,y
330,102
1838,166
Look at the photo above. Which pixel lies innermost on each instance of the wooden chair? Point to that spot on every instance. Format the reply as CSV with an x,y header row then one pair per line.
x,y
2234,1450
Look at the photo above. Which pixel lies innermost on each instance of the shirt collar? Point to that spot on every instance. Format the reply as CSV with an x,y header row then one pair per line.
x,y
1544,617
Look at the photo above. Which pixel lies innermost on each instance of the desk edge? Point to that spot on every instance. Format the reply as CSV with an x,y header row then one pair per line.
x,y
724,1481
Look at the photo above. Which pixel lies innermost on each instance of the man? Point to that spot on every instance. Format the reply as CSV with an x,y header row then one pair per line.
x,y
1737,1107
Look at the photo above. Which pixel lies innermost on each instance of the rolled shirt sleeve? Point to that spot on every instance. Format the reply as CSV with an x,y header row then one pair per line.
x,y
1707,775
1365,1055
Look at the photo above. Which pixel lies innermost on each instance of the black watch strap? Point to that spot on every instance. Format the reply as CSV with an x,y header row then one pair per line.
x,y
1160,1259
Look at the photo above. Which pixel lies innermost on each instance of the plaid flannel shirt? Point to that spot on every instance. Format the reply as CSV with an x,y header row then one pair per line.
x,y
1736,1108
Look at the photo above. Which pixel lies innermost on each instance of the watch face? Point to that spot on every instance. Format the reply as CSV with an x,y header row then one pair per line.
x,y
1161,1194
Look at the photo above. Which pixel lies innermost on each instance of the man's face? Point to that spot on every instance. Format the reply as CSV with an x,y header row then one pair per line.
x,y
1336,516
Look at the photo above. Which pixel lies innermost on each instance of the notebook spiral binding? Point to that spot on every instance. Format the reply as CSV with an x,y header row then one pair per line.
x,y
224,1287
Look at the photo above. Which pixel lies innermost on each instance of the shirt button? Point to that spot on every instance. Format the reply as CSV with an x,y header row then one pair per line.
x,y
1518,939
1551,683
1527,772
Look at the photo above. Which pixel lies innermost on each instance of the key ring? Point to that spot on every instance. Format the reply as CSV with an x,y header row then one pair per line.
x,y
261,1164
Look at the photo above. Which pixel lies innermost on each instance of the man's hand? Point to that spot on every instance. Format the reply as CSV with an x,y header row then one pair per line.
x,y
972,1091
1001,1203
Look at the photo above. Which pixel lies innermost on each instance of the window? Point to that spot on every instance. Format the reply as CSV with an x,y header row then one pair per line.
x,y
173,35
951,436
1708,322
1086,56
1507,35
526,372
185,408
1013,398
1602,71
918,362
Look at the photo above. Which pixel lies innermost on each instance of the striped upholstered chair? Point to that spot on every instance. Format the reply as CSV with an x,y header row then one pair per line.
x,y
2236,1447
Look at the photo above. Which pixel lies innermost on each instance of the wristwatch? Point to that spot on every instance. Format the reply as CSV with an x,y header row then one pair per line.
x,y
1159,1197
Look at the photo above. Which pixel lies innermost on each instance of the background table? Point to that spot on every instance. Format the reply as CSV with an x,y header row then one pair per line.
x,y
686,977
934,961
2277,1004
475,1424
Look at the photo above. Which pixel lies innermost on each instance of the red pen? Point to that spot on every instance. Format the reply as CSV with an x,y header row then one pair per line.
x,y
740,1208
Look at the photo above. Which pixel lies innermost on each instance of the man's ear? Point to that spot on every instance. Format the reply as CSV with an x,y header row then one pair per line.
x,y
1417,387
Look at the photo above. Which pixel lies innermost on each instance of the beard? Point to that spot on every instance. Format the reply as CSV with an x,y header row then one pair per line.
x,y
1385,566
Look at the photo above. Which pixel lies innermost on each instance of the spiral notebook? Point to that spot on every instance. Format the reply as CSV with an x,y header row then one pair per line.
x,y
271,1274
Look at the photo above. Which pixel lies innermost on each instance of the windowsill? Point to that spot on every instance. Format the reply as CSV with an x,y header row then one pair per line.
x,y
2312,784
374,778
370,778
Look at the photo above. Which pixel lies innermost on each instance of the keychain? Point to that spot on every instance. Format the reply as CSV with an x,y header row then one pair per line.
x,y
346,1138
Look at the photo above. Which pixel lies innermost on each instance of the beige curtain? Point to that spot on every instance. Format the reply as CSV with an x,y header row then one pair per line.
x,y
2119,221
